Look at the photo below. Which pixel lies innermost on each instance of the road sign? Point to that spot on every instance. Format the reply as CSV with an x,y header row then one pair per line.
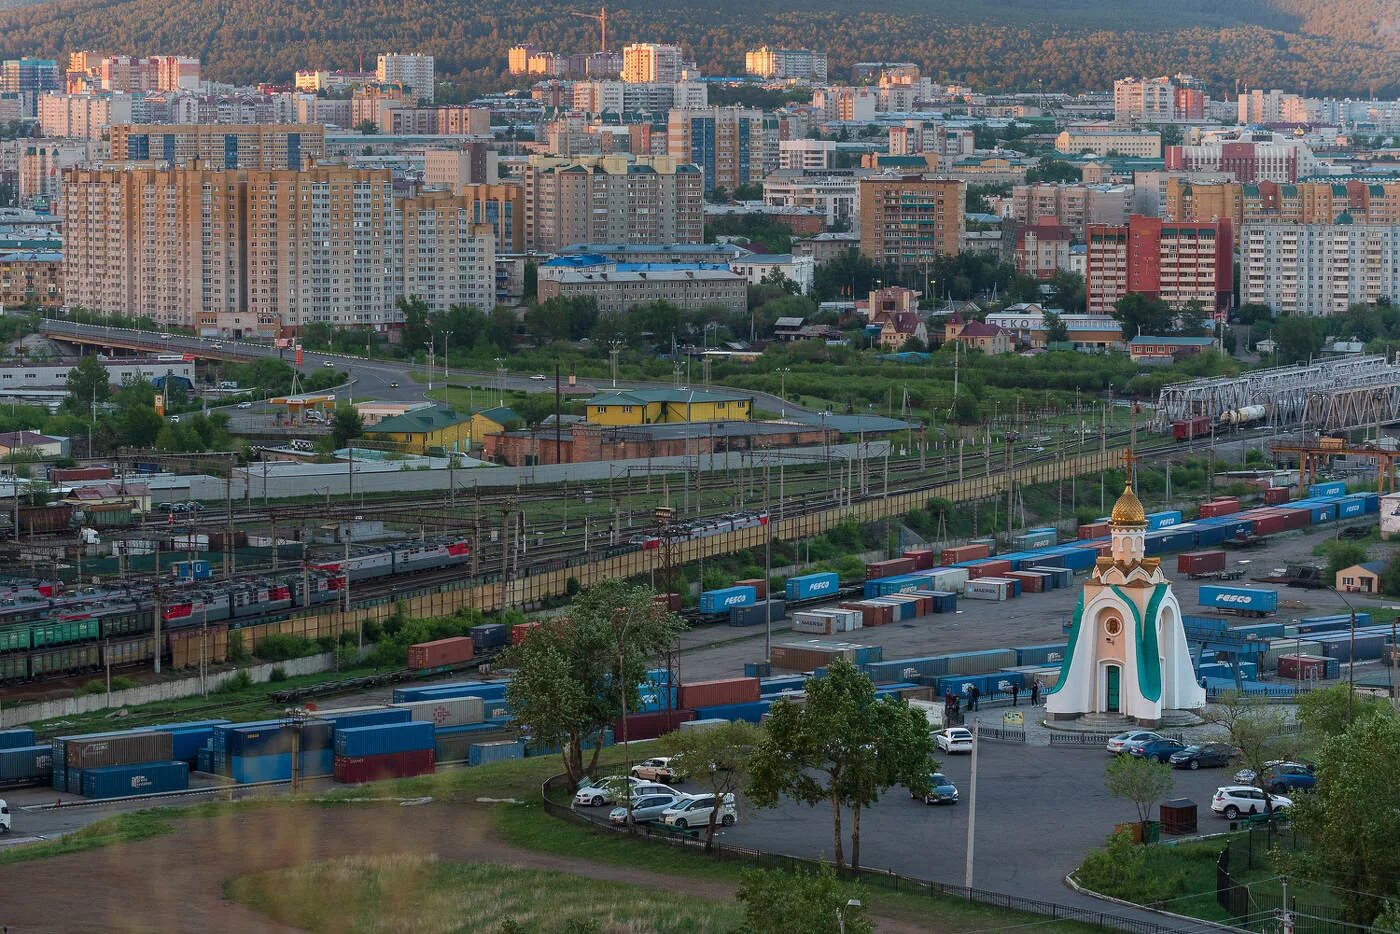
x,y
1013,718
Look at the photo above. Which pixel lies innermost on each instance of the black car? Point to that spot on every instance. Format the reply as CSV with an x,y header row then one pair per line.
x,y
1203,755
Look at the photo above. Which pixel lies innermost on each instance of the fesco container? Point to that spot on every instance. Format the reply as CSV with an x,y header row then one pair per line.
x,y
26,765
498,751
716,602
807,586
1330,488
440,652
1241,599
758,614
490,636
1200,562
105,749
1162,520
16,738
1349,507
1040,654
145,778
697,694
355,769
384,739
448,711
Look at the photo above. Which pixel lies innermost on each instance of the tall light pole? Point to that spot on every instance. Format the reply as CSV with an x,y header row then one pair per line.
x,y
445,336
1351,653
783,371
430,345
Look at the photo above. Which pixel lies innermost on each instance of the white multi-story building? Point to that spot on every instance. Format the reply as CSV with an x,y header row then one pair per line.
x,y
650,63
1249,155
1143,100
1261,106
805,154
836,195
83,115
756,267
413,71
638,97
786,64
1318,269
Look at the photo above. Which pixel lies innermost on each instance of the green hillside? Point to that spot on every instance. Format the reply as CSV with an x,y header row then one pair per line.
x,y
1318,45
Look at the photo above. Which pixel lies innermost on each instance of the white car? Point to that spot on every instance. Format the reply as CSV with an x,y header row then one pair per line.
x,y
953,739
245,405
693,812
605,791
1126,742
539,376
658,769
645,809
1233,800
4,816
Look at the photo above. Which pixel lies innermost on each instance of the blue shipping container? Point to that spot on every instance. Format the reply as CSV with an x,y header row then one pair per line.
x,y
1350,507
757,669
1252,599
1329,489
1041,654
490,636
752,711
348,721
486,690
16,738
808,586
715,602
1161,520
25,764
390,737
486,753
145,779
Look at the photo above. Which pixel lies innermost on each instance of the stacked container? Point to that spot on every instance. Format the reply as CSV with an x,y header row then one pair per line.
x,y
16,738
697,694
809,586
448,711
650,725
117,781
393,750
440,652
964,553
827,622
759,585
891,568
72,755
26,765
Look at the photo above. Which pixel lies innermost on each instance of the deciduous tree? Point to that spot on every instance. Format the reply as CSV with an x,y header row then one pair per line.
x,y
779,902
717,759
1143,781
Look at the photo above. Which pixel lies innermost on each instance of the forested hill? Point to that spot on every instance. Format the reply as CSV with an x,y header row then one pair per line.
x,y
1321,46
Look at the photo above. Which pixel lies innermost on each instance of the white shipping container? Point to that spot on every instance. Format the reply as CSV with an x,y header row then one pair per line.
x,y
987,588
453,711
950,580
702,724
933,710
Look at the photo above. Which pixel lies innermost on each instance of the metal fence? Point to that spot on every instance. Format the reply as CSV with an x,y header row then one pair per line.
x,y
1067,738
1002,734
875,878
1256,849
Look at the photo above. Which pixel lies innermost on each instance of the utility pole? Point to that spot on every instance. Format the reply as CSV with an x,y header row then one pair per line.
x,y
971,807
156,594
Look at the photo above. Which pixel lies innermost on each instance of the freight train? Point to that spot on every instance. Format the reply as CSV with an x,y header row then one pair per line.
x,y
46,631
702,528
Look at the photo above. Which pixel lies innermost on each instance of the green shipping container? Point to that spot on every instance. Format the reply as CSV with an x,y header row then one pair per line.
x,y
14,639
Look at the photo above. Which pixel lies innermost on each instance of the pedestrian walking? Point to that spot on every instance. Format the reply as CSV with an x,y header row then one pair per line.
x,y
972,696
1015,695
1035,693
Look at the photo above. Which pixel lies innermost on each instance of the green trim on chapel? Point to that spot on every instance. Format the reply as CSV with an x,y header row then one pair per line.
x,y
1149,663
1069,649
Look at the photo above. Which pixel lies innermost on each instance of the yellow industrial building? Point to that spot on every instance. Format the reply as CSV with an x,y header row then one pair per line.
x,y
666,406
440,428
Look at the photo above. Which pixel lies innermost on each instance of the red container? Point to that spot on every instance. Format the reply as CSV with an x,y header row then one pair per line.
x,y
1224,506
352,770
891,568
965,553
1200,562
993,568
715,693
671,601
1030,583
1190,428
1296,518
871,613
69,474
1302,667
521,631
1270,523
922,558
1093,530
442,652
1275,495
650,725
759,585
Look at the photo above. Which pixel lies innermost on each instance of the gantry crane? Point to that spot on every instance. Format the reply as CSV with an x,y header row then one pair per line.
x,y
1310,454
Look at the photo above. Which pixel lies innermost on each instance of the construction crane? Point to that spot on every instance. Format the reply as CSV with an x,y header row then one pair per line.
x,y
1311,455
601,18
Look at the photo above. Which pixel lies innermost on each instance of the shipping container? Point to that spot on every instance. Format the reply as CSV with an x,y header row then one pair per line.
x,y
498,751
118,781
963,553
1275,495
1200,562
489,637
827,621
980,662
277,767
1040,654
751,711
373,716
948,579
42,520
1349,507
637,726
30,764
1331,488
923,558
702,724
989,568
1031,540
1333,623
16,738
1256,601
449,711
987,589
758,614
1091,530
1221,506
124,748
493,689
757,669
187,738
1031,581
384,739
1307,667
697,694
521,631
454,743
759,585
812,654
440,652
672,601
721,601
808,586
892,567
356,769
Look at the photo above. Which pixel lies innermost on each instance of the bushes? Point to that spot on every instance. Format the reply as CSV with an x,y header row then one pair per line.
x,y
282,646
277,674
99,686
237,650
240,681
1136,873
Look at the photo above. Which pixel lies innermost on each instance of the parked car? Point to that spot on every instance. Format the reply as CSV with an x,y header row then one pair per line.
x,y
693,811
1124,742
1203,755
394,385
245,405
954,739
1246,776
941,790
1159,749
653,788
1287,776
539,376
1233,800
645,809
659,769
604,790
4,816
193,506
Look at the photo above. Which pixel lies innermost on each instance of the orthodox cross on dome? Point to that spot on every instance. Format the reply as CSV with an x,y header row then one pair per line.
x,y
1130,466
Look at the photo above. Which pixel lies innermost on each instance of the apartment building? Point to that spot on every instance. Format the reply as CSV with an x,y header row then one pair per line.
x,y
1102,141
468,164
27,79
786,64
41,165
1165,99
1318,269
733,146
95,71
612,199
595,97
808,155
910,219
244,146
1075,206
448,258
1248,155
82,115
31,278
1179,262
835,194
1043,249
650,63
914,137
411,71
502,209
620,289
1259,106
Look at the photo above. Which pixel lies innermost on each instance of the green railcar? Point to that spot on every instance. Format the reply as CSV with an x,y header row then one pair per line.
x,y
127,622
14,667
63,660
15,639
61,632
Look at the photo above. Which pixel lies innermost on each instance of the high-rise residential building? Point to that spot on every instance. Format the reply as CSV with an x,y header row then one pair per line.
x,y
1075,206
1318,269
83,115
468,164
501,208
1165,99
1042,249
94,71
594,97
1180,263
914,137
244,252
1103,141
1360,202
1261,107
649,63
235,146
518,58
41,165
836,195
786,64
412,71
27,79
612,199
806,154
733,146
1249,155
910,219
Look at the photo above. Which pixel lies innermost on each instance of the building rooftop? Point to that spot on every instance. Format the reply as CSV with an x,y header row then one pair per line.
x,y
577,277
646,396
418,421
1147,339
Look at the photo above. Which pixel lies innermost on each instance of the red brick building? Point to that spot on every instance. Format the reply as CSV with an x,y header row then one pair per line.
x,y
1179,262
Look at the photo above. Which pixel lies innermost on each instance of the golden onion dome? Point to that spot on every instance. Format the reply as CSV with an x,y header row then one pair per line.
x,y
1128,510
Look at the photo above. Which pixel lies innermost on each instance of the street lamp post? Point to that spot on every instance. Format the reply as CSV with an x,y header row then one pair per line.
x,y
1351,653
431,364
445,336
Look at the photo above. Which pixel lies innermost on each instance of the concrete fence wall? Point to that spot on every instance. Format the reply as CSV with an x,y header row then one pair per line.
x,y
21,714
